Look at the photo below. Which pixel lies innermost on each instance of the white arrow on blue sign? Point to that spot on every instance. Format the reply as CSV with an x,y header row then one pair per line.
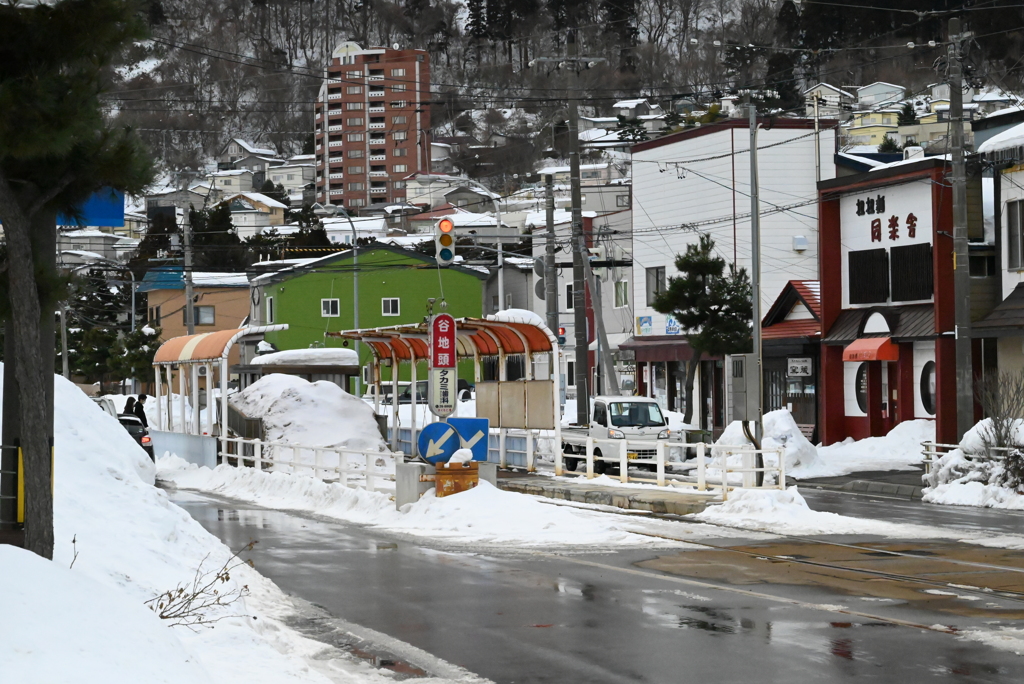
x,y
473,433
438,441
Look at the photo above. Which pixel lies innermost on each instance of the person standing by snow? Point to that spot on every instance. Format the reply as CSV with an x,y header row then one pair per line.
x,y
140,411
129,407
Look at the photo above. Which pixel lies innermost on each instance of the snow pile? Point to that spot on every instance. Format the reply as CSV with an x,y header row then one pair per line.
x,y
132,540
309,413
786,511
780,431
60,626
968,476
898,450
482,515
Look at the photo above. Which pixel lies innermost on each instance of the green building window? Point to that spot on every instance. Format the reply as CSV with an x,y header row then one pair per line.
x,y
329,308
389,306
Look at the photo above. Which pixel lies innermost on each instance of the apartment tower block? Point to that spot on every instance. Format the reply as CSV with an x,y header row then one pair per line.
x,y
372,126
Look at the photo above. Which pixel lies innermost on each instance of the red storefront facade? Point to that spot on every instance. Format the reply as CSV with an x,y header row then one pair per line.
x,y
886,265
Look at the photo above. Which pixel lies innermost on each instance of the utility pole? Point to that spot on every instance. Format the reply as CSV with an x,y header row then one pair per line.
x,y
817,142
961,270
579,247
64,361
550,273
190,320
610,381
755,266
501,257
355,299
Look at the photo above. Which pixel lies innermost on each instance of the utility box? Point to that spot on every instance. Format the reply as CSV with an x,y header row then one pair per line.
x,y
743,385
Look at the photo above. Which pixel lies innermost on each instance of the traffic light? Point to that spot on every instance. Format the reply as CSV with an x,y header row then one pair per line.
x,y
444,242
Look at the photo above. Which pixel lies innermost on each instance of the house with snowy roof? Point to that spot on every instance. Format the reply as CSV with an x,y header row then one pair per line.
x,y
251,212
237,148
879,93
231,180
833,102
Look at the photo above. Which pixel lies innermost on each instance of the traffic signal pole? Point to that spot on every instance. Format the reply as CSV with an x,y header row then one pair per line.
x,y
579,247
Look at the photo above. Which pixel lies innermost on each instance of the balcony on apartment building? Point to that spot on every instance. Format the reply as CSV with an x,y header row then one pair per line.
x,y
375,93
377,122
376,75
337,176
378,157
376,108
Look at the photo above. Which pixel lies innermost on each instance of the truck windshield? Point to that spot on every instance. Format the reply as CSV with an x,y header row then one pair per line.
x,y
635,414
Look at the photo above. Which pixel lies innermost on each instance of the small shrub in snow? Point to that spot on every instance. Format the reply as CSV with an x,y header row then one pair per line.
x,y
194,603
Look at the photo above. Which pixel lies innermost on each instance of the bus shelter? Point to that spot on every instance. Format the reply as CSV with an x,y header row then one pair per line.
x,y
204,355
499,338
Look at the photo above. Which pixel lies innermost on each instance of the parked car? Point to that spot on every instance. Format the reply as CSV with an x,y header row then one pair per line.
x,y
615,417
138,431
109,405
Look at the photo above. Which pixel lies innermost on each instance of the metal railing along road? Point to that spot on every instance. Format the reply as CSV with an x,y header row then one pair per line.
x,y
932,451
348,467
625,453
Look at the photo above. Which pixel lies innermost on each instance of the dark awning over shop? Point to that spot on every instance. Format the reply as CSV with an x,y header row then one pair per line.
x,y
1006,319
659,348
907,323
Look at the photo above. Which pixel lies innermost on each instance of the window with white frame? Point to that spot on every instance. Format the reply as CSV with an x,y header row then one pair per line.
x,y
398,72
569,301
400,135
400,168
354,90
655,283
270,309
621,293
398,88
353,105
202,315
389,306
329,308
1014,234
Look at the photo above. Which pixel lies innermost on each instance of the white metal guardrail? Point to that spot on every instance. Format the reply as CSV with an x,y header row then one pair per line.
x,y
349,467
932,451
617,452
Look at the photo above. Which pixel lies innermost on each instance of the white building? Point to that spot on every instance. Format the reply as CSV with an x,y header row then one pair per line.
x,y
698,181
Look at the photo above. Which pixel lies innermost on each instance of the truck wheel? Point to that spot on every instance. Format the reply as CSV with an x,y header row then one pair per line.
x,y
570,463
600,467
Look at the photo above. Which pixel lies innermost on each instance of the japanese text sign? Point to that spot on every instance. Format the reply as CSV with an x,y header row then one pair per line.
x,y
442,341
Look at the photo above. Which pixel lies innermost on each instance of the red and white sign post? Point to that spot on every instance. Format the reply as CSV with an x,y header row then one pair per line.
x,y
443,384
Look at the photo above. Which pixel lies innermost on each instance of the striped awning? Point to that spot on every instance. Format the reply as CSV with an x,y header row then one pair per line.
x,y
206,347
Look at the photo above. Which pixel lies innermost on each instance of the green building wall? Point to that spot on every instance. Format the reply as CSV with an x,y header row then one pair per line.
x,y
382,274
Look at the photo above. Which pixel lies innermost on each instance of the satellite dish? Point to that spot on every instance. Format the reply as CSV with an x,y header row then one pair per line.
x,y
396,46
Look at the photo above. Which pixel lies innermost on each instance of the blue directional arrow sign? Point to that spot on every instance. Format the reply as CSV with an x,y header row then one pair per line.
x,y
473,435
438,441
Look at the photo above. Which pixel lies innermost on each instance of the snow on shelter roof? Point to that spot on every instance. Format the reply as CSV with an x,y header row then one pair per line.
x,y
316,356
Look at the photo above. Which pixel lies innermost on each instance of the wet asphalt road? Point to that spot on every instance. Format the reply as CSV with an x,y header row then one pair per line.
x,y
901,510
543,618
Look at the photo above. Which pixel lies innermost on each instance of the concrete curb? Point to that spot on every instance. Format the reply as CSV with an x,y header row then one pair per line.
x,y
868,487
620,497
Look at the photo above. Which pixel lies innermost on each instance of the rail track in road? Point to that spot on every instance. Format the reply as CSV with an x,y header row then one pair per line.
x,y
918,554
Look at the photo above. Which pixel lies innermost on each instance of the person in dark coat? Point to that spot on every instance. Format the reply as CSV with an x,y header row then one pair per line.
x,y
129,407
140,411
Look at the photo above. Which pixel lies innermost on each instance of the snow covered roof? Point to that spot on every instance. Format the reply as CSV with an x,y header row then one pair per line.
x,y
1002,112
83,254
830,87
565,169
229,172
867,161
88,233
881,83
258,197
1008,139
629,104
912,160
323,356
215,279
252,149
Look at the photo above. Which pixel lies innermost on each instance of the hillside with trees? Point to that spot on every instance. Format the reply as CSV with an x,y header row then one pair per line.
x,y
215,68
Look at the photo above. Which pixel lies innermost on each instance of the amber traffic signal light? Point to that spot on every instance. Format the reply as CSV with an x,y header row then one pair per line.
x,y
444,242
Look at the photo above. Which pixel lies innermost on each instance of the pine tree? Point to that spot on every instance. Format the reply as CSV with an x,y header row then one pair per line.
x,y
713,307
631,130
215,243
56,149
889,145
907,116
